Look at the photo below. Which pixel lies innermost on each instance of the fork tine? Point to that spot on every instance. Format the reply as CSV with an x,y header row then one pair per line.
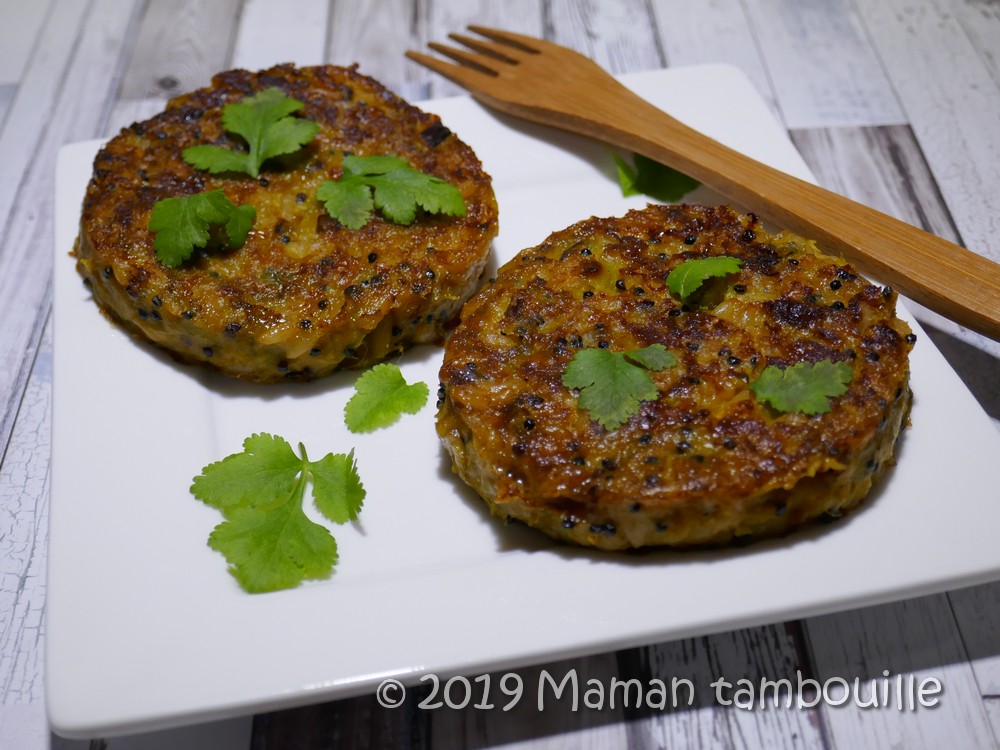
x,y
469,78
520,41
503,52
481,63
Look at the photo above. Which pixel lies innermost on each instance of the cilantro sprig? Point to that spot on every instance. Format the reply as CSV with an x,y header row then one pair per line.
x,y
612,384
804,387
381,397
389,184
688,277
264,121
182,223
266,537
649,177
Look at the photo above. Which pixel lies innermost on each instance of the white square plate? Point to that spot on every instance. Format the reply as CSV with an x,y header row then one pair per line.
x,y
146,628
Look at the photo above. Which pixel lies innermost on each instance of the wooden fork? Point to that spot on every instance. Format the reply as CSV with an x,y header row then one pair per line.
x,y
550,84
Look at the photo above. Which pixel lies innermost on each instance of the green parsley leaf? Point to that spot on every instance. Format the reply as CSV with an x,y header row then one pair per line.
x,y
182,223
688,277
265,122
382,396
651,178
803,387
612,384
389,184
266,537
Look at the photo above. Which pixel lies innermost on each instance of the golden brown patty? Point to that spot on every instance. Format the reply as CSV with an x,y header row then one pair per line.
x,y
304,295
706,461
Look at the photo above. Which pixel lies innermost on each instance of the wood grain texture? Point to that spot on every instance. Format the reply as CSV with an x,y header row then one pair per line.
x,y
917,637
620,35
824,71
74,109
713,31
7,91
18,35
179,46
364,33
771,652
981,21
24,497
443,17
261,42
940,77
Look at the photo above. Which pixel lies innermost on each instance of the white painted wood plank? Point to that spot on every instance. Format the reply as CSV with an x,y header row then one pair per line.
x,y
754,654
273,31
953,104
443,17
375,35
712,31
179,46
20,24
619,34
7,92
823,69
24,497
993,711
74,109
24,726
916,638
35,97
981,21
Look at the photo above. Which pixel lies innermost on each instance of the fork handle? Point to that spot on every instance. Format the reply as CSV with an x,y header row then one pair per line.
x,y
940,275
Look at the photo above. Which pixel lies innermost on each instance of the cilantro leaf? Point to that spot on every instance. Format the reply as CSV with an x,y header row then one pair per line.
x,y
803,387
389,184
337,487
182,223
612,384
266,537
265,122
688,277
263,474
653,357
274,548
649,177
382,396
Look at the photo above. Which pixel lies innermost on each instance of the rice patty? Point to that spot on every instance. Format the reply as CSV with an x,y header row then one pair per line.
x,y
305,295
706,462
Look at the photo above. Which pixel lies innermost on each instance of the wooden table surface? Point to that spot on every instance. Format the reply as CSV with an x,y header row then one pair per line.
x,y
895,103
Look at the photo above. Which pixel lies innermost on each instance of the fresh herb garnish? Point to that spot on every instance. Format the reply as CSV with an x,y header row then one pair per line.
x,y
382,396
612,384
266,538
265,122
688,277
803,387
389,184
182,223
651,178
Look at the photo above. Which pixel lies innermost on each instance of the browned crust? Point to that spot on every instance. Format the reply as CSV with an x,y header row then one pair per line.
x,y
705,462
304,296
